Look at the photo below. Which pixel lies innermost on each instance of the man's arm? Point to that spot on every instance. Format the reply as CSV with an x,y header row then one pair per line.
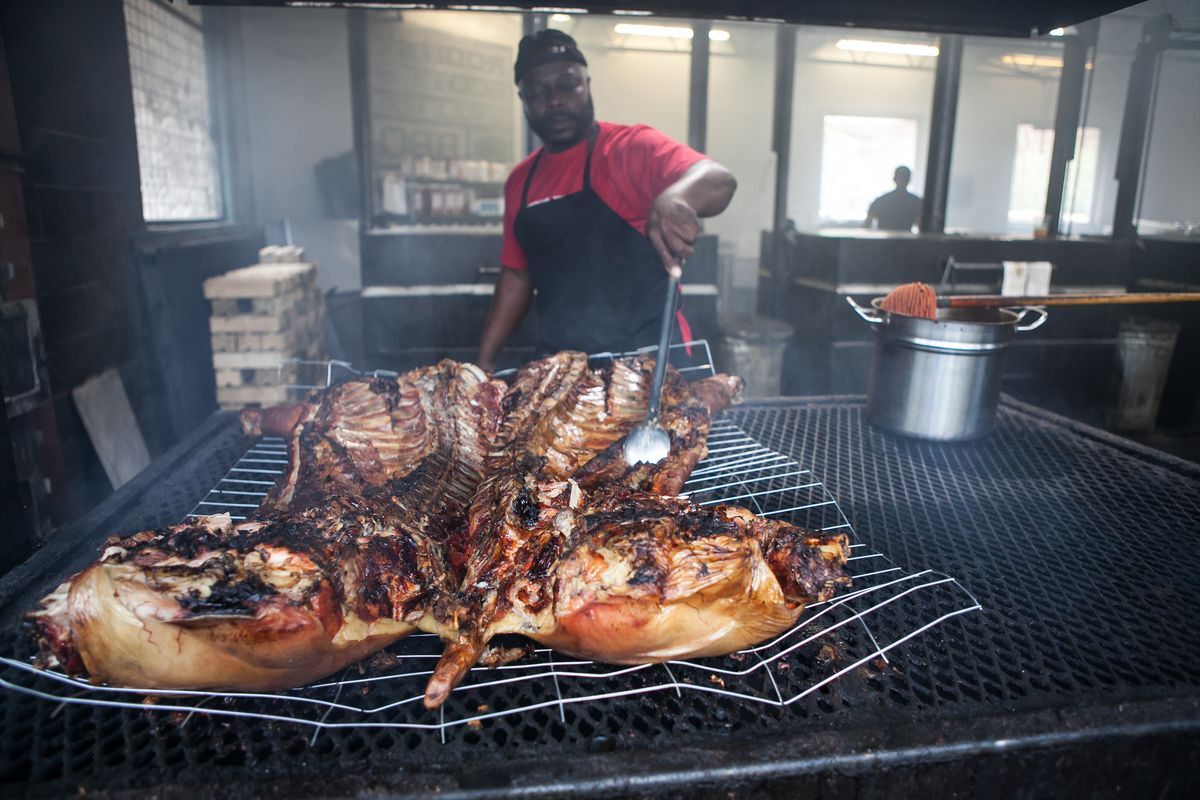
x,y
674,219
510,301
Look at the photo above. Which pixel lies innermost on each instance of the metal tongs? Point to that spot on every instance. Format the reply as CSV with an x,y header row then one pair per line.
x,y
649,443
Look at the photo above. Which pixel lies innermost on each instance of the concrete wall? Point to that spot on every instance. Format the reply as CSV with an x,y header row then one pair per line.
x,y
296,66
1172,181
504,29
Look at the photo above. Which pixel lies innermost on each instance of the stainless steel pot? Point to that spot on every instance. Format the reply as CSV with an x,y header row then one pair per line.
x,y
940,379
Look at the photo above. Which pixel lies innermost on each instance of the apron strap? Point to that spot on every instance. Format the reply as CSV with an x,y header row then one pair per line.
x,y
529,177
587,166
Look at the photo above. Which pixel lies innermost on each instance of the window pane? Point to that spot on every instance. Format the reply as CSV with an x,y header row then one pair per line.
x,y
858,158
1170,200
1031,173
1079,193
177,152
1031,176
1005,83
882,79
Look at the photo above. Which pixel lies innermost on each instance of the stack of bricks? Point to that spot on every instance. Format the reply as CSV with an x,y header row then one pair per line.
x,y
264,319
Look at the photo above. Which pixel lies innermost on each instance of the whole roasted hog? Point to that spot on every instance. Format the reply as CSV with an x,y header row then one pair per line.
x,y
452,503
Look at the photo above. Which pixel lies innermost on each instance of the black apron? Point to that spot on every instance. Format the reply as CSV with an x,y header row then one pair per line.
x,y
599,283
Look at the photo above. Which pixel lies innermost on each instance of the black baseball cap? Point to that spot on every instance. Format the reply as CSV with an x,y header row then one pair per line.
x,y
545,47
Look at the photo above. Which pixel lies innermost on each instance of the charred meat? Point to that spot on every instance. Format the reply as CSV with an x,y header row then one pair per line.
x,y
452,503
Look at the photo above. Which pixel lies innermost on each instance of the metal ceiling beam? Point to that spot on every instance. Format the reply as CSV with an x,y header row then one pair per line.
x,y
941,133
698,90
1019,18
1071,87
1135,124
532,23
781,133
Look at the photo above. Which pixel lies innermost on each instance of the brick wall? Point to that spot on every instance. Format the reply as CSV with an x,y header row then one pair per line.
x,y
71,92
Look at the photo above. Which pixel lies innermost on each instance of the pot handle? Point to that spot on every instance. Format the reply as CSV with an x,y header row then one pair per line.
x,y
869,314
1041,312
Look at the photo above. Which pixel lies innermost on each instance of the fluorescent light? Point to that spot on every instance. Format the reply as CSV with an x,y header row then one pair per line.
x,y
633,29
666,31
620,12
1058,32
560,17
894,48
555,10
1030,60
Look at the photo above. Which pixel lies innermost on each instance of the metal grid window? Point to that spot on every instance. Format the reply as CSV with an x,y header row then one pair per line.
x,y
178,154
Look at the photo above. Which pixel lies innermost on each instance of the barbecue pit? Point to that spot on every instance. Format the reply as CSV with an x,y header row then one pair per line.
x,y
1079,547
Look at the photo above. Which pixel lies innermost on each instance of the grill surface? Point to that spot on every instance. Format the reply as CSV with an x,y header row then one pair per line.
x,y
1082,551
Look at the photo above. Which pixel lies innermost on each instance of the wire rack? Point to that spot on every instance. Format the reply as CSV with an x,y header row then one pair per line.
x,y
831,639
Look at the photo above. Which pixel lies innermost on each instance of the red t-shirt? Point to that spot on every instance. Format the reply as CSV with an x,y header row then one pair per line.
x,y
631,165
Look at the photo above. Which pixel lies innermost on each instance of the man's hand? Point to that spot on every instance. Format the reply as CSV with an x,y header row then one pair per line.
x,y
510,301
673,222
672,227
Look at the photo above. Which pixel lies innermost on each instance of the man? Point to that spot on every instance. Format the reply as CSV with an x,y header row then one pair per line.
x,y
596,218
899,209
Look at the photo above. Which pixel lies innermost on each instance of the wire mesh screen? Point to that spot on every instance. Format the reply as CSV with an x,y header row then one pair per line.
x,y
830,640
178,155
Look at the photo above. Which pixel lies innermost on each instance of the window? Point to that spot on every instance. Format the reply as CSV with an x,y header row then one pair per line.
x,y
858,158
178,155
1031,175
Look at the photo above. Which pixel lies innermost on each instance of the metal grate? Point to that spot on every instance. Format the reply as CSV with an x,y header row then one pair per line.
x,y
1083,552
247,482
737,470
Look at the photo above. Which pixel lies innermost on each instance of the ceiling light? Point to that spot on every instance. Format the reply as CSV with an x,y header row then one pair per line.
x,y
633,29
894,48
560,17
631,13
1058,32
1031,60
666,31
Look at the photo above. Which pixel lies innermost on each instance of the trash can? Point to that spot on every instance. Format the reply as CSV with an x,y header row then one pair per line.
x,y
752,348
1144,350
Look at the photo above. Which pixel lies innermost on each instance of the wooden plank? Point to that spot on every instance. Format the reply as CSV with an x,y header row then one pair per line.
x,y
249,360
295,340
249,377
251,323
108,418
281,253
260,281
296,301
230,377
248,395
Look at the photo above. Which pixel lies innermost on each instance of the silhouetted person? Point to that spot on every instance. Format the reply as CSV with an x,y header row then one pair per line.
x,y
899,209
